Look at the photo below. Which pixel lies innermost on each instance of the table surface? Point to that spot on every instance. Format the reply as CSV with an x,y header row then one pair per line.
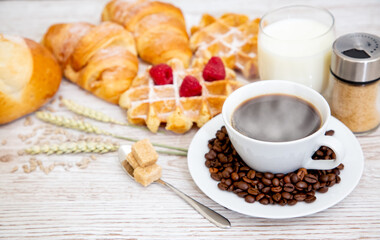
x,y
98,201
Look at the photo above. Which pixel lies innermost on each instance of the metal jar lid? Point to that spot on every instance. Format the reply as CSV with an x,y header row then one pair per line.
x,y
356,57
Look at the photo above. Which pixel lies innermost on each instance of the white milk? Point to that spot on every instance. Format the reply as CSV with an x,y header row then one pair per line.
x,y
298,50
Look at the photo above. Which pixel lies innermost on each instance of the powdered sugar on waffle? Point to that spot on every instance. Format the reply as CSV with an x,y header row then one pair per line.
x,y
213,40
152,104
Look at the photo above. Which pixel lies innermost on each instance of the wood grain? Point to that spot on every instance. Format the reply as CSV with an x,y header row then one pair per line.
x,y
101,202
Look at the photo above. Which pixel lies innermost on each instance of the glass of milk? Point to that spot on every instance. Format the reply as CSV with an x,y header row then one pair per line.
x,y
295,44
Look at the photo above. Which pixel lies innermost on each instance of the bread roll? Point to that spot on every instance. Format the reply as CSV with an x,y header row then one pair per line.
x,y
29,77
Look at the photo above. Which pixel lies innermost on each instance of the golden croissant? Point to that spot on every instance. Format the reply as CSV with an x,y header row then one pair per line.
x,y
159,29
101,59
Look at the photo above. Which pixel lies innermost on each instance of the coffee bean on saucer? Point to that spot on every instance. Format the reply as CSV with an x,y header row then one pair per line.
x,y
249,199
233,175
310,178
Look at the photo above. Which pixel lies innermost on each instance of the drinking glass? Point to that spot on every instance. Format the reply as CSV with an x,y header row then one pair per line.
x,y
295,44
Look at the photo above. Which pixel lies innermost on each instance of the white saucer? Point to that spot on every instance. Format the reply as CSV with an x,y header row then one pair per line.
x,y
353,168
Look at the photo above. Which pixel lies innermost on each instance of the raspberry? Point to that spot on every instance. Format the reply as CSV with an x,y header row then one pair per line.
x,y
190,87
162,74
214,70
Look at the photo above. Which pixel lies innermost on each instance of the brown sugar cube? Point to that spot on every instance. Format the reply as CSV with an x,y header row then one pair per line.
x,y
132,161
147,175
144,153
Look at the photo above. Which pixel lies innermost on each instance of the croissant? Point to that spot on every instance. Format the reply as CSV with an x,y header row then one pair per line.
x,y
100,59
159,29
29,77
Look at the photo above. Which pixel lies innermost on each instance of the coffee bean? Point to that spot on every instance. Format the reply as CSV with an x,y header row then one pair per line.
x,y
275,182
310,199
301,173
242,194
282,202
323,178
323,190
316,185
225,174
222,186
294,178
268,175
234,176
266,190
292,202
264,201
287,179
340,166
310,178
301,185
280,175
245,169
311,193
288,187
241,185
329,133
266,181
215,176
220,135
259,174
241,174
230,188
249,199
260,185
338,179
213,170
276,189
336,171
251,174
253,191
260,196
210,155
286,195
276,197
228,182
300,196
247,180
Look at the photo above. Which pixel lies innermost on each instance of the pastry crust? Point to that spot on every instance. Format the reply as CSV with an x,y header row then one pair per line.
x,y
159,29
29,77
101,59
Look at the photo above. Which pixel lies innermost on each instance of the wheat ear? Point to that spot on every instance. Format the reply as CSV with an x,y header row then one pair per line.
x,y
89,128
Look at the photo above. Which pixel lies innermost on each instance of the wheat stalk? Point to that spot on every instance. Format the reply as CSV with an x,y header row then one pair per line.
x,y
80,147
72,147
89,128
93,114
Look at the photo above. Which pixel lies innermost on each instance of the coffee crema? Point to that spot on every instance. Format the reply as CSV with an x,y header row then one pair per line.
x,y
276,118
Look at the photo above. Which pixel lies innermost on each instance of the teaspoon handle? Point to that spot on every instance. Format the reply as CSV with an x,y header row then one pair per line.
x,y
206,212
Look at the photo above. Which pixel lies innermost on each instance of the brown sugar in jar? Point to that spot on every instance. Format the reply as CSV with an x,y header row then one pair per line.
x,y
356,106
355,71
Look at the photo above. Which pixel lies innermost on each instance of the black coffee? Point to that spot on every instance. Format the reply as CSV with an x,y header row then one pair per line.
x,y
276,118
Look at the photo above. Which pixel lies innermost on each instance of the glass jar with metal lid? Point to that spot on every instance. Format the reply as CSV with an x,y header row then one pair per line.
x,y
355,71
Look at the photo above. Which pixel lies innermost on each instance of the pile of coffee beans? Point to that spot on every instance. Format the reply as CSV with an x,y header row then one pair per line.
x,y
233,175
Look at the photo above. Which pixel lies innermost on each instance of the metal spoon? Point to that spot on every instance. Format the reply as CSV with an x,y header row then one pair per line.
x,y
206,212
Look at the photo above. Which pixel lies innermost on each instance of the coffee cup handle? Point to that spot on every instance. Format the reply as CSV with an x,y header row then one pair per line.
x,y
335,145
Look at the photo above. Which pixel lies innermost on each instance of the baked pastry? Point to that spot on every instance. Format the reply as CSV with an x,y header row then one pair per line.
x,y
159,29
29,77
233,37
181,99
101,59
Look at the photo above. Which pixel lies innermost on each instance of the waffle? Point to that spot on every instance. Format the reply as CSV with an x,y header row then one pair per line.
x,y
233,37
155,104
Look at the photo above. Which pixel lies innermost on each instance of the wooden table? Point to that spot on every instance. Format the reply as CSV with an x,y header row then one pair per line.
x,y
100,202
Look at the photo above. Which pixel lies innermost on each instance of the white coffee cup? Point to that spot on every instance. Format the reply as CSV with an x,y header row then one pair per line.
x,y
282,157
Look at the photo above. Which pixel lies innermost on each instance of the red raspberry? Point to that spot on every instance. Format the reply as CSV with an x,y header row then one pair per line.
x,y
162,74
190,87
214,70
